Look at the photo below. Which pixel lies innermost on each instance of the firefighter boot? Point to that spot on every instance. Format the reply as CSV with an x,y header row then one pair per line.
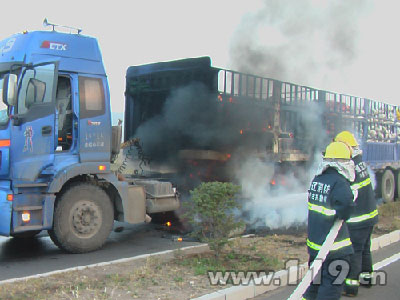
x,y
366,279
351,288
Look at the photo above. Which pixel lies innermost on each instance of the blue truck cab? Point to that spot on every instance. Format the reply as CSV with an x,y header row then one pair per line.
x,y
57,144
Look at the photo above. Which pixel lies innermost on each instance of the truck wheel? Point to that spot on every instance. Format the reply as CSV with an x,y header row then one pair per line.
x,y
83,219
387,186
26,234
398,186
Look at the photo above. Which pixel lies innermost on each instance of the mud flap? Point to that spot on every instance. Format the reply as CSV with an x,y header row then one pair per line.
x,y
135,205
5,213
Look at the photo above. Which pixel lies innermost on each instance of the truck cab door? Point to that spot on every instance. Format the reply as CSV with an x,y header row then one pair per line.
x,y
33,123
95,122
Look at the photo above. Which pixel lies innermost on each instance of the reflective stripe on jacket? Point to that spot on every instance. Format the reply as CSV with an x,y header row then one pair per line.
x,y
336,245
329,197
321,209
365,212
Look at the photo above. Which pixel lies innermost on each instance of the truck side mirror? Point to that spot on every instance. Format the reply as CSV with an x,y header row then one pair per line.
x,y
10,89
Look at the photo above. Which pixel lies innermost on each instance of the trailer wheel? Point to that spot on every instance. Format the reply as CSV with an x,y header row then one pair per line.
x,y
83,219
387,186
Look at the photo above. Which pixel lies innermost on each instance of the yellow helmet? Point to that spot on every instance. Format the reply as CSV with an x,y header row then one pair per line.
x,y
346,137
338,150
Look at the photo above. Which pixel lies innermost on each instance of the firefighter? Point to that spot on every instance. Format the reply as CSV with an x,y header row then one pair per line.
x,y
330,197
361,222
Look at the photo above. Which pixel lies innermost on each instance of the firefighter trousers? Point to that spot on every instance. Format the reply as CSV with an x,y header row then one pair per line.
x,y
361,260
329,282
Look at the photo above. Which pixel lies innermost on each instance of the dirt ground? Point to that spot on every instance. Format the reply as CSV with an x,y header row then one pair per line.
x,y
180,276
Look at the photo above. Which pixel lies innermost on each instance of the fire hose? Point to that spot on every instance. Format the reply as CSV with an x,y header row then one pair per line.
x,y
317,263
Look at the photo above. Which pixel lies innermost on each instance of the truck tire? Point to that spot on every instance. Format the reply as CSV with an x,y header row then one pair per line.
x,y
398,186
26,234
387,186
83,219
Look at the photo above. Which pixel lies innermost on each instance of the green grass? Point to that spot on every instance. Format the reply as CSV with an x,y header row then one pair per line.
x,y
201,264
178,279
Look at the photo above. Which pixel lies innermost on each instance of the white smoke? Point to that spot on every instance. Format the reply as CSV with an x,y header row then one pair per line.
x,y
280,207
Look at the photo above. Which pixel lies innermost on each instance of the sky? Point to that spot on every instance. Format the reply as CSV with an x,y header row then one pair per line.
x,y
350,47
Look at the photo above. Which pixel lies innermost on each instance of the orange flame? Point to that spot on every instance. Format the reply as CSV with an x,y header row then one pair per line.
x,y
241,131
168,224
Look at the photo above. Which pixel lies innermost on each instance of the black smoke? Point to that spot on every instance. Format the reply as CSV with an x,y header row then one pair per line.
x,y
193,117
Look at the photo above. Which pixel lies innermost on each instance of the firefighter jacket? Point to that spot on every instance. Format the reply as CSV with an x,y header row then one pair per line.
x,y
329,197
365,212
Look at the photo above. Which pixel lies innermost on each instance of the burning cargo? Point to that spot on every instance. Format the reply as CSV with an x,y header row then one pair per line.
x,y
200,119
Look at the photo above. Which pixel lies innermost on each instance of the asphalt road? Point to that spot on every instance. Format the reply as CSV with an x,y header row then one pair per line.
x,y
19,258
389,291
